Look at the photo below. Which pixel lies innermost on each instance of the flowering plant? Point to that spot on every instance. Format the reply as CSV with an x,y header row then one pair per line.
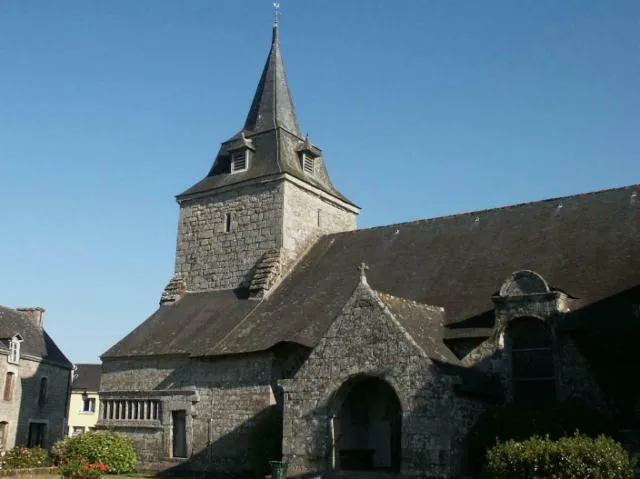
x,y
95,470
80,468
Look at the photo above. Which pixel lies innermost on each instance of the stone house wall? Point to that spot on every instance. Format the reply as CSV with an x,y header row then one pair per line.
x,y
24,408
365,339
222,397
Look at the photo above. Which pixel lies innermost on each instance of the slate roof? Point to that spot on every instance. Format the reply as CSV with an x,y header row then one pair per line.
x,y
36,341
424,323
272,127
585,245
87,377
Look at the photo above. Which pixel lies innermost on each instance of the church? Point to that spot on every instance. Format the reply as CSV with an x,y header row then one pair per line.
x,y
286,332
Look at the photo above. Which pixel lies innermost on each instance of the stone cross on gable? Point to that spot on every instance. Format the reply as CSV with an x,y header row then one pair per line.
x,y
363,268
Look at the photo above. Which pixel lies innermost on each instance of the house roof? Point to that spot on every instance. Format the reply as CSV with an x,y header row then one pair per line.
x,y
586,245
87,377
272,130
36,341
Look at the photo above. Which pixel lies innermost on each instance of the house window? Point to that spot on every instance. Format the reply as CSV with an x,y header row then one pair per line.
x,y
77,430
4,434
42,396
14,351
8,386
532,361
227,222
239,161
88,404
308,163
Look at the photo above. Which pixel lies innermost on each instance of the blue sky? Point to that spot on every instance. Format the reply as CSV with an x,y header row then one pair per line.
x,y
423,108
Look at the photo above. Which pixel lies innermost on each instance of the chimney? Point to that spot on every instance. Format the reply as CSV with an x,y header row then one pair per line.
x,y
35,314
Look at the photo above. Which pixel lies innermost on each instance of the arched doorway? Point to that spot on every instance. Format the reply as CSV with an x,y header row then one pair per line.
x,y
367,426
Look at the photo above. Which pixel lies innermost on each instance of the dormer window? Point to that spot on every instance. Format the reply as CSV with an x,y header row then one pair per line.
x,y
240,160
308,163
14,349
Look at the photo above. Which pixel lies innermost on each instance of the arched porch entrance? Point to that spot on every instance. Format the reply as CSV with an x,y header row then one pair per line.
x,y
366,426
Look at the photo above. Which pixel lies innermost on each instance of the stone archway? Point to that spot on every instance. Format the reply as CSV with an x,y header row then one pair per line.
x,y
366,426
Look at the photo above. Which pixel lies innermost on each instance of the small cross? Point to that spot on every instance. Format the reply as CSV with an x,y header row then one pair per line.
x,y
363,268
276,12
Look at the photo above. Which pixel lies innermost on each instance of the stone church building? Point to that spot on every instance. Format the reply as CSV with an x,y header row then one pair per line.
x,y
374,349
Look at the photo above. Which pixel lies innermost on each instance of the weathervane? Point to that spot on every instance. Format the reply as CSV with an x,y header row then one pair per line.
x,y
276,12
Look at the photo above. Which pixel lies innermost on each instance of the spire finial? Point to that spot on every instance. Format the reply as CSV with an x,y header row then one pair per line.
x,y
276,13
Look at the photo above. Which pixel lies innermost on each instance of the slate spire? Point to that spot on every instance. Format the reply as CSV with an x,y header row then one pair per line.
x,y
272,104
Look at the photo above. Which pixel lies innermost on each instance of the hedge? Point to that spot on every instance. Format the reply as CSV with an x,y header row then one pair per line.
x,y
577,457
520,422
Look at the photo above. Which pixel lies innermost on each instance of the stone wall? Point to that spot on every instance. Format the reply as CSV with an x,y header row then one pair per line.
x,y
264,217
223,398
365,339
24,408
210,258
307,217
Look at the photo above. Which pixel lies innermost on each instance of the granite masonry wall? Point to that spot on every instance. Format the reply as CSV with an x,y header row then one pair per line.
x,y
307,217
277,215
221,397
365,339
24,408
207,256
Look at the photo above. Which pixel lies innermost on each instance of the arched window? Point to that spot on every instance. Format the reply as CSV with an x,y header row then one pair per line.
x,y
42,396
532,362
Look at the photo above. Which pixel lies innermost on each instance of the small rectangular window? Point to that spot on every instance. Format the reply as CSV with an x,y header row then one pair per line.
x,y
319,218
308,164
8,386
239,161
227,222
89,405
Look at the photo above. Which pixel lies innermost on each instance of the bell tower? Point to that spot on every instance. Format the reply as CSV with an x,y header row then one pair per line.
x,y
266,199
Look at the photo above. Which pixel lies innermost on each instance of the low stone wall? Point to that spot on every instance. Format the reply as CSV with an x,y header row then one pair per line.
x,y
35,471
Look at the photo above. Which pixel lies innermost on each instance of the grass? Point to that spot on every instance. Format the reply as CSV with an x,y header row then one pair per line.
x,y
132,475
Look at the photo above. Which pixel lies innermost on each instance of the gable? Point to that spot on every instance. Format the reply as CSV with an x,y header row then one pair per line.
x,y
364,337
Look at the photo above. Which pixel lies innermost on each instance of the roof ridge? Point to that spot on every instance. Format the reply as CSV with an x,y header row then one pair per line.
x,y
497,208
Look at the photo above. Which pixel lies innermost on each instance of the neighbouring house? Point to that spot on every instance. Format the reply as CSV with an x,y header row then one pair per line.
x,y
84,401
36,380
371,349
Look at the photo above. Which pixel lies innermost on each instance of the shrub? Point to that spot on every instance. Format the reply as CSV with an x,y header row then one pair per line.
x,y
24,458
577,457
99,447
59,450
520,422
81,468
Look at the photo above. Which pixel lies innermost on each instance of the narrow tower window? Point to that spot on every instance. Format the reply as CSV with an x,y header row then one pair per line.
x,y
8,386
42,397
319,218
239,161
227,222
